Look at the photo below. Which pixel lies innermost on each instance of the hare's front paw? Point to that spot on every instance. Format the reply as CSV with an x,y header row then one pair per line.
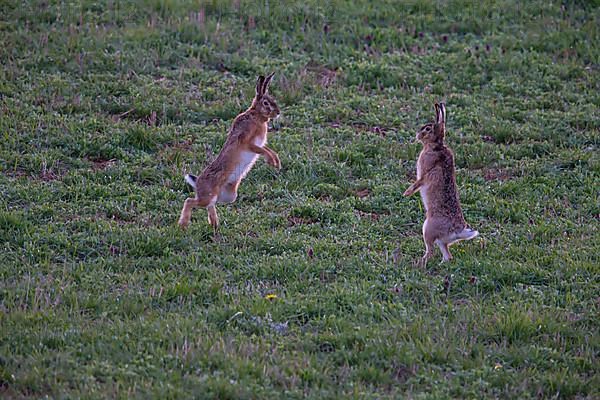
x,y
274,161
408,192
277,161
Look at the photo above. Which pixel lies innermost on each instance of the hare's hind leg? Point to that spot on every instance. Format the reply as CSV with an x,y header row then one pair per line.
x,y
422,262
190,204
429,240
444,248
213,217
186,212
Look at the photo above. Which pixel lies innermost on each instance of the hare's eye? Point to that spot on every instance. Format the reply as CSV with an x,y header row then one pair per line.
x,y
265,103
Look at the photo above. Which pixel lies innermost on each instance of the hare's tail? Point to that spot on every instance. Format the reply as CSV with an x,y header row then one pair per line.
x,y
467,234
191,180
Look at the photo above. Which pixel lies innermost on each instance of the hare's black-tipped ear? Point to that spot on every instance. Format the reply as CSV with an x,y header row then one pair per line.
x,y
437,113
259,86
267,82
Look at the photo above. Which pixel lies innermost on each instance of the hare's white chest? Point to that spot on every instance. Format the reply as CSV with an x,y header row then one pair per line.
x,y
423,193
425,186
247,160
261,140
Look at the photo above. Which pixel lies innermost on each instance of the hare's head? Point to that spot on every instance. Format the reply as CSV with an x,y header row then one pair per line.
x,y
434,132
263,102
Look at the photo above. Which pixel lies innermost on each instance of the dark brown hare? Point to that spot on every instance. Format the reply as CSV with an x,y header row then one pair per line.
x,y
436,181
246,141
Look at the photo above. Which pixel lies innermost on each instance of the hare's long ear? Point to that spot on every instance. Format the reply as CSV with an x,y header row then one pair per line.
x,y
267,82
259,86
442,113
437,113
441,123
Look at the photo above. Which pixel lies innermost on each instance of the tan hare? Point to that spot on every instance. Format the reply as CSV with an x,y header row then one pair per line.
x,y
436,180
246,141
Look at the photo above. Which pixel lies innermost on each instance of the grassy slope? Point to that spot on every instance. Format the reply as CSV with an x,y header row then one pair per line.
x,y
104,106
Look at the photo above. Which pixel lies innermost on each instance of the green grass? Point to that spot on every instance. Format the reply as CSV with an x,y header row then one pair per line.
x,y
105,105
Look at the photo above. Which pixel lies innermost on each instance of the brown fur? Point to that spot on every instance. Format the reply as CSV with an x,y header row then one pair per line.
x,y
436,180
246,140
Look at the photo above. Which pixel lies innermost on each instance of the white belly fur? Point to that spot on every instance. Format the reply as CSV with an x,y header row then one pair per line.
x,y
423,190
260,141
246,161
423,193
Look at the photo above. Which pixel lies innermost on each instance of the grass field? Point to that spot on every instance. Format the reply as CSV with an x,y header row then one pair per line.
x,y
311,291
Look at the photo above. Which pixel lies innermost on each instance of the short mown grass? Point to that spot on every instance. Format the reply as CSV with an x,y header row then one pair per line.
x,y
311,291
